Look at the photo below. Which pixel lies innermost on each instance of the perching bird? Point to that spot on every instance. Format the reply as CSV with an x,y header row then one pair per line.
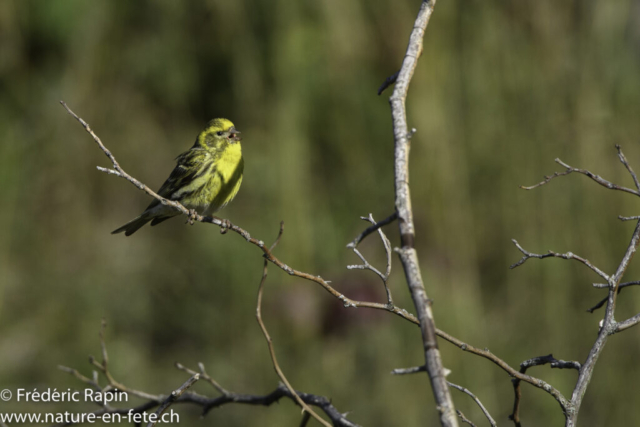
x,y
206,178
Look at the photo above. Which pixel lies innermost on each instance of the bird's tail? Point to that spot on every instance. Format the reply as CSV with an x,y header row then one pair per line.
x,y
133,225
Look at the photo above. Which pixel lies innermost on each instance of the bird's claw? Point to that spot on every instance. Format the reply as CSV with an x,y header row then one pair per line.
x,y
225,226
192,216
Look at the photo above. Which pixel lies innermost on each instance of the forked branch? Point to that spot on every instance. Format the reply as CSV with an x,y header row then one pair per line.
x,y
568,255
182,396
597,178
475,399
365,264
536,361
608,325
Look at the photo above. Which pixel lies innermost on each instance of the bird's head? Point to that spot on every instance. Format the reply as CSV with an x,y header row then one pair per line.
x,y
218,134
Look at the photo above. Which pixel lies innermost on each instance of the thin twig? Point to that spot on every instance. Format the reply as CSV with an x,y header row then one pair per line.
x,y
485,353
536,361
564,403
552,361
204,376
367,266
626,164
388,82
621,286
371,229
104,368
305,419
626,324
172,398
416,369
628,218
267,337
81,377
475,399
568,255
407,371
464,419
596,178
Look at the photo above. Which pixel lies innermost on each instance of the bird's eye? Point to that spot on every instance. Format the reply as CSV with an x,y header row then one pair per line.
x,y
220,133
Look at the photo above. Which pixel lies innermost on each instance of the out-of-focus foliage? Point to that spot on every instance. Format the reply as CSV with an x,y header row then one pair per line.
x,y
502,88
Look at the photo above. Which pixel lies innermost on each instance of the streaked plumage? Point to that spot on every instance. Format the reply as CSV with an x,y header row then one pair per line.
x,y
206,178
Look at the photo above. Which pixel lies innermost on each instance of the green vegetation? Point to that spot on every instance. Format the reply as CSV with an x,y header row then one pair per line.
x,y
502,89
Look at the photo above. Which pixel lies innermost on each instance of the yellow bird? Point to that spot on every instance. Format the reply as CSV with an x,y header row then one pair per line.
x,y
206,178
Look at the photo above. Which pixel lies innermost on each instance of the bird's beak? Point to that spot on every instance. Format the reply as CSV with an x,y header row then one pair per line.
x,y
234,134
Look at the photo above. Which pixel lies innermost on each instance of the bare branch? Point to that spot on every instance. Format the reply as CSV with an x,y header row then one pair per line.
x,y
305,419
274,359
464,419
596,178
371,229
337,418
182,396
564,403
632,321
388,82
103,346
104,368
520,376
416,369
624,161
628,218
412,370
367,266
408,254
93,383
552,361
204,376
568,255
172,398
536,361
475,399
609,326
621,286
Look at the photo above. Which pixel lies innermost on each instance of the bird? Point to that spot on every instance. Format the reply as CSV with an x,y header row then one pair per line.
x,y
206,178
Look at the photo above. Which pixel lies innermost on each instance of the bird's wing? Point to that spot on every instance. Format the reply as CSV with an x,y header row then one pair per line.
x,y
191,165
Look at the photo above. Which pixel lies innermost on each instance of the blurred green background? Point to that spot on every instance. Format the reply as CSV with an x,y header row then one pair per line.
x,y
502,88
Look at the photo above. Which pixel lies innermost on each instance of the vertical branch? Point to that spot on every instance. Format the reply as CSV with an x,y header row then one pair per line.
x,y
408,255
608,327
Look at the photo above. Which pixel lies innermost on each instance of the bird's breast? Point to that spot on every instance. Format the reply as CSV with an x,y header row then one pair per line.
x,y
230,163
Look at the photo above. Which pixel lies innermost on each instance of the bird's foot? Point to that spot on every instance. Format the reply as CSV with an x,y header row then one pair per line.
x,y
225,226
192,216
